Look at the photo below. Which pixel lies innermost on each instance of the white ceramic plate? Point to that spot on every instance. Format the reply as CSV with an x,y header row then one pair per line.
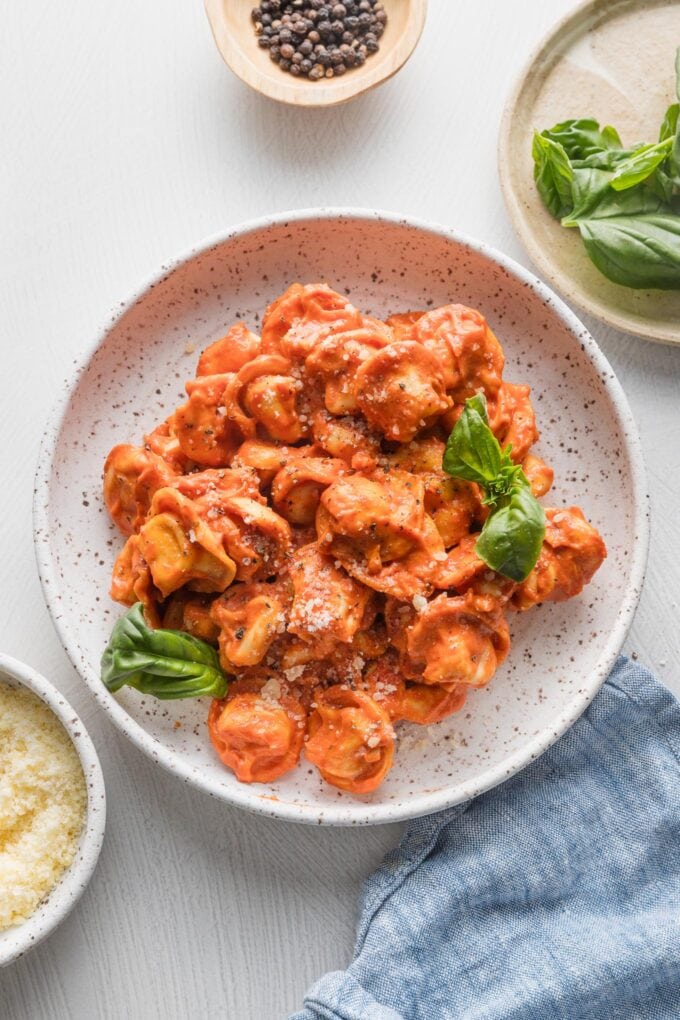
x,y
133,377
17,940
614,61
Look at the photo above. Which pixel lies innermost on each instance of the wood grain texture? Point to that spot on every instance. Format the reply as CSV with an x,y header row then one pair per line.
x,y
125,139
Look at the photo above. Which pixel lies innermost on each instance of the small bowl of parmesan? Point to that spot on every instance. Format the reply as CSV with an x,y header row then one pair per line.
x,y
52,808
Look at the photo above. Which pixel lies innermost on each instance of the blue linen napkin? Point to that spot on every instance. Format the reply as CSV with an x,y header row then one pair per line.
x,y
555,895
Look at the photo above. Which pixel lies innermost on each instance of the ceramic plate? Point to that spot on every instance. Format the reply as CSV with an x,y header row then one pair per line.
x,y
133,377
613,61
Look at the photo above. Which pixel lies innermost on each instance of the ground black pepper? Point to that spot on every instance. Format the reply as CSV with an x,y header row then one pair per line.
x,y
318,38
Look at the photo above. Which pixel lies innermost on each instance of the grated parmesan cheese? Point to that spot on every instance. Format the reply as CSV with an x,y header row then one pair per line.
x,y
42,802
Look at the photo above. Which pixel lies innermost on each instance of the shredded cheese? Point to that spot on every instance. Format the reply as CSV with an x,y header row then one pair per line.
x,y
42,802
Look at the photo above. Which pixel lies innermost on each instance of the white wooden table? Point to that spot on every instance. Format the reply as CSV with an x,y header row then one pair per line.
x,y
124,140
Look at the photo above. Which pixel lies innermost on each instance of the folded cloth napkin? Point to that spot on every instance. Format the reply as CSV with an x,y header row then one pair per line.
x,y
555,895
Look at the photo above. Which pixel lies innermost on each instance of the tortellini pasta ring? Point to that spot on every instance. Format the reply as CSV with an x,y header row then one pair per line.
x,y
258,729
350,739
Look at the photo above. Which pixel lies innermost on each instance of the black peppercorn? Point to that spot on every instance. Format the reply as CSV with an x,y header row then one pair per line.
x,y
319,38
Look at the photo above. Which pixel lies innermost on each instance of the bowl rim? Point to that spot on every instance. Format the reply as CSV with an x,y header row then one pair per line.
x,y
301,93
51,911
244,795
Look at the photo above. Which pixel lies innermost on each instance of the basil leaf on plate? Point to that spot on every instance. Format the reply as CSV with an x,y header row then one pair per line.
x,y
553,175
669,124
640,251
640,165
164,663
590,188
512,537
472,451
595,199
581,138
625,202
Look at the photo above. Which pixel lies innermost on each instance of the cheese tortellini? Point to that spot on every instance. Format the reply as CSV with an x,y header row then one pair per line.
x,y
294,513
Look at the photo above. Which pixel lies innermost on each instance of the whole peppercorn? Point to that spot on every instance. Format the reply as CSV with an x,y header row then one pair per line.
x,y
319,39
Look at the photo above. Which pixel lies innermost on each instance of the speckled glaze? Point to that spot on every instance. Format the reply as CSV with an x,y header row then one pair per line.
x,y
133,377
16,941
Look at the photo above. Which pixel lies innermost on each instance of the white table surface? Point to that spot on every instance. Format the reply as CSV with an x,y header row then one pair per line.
x,y
124,140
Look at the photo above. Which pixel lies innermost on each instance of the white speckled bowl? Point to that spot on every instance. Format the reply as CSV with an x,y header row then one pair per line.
x,y
133,376
16,941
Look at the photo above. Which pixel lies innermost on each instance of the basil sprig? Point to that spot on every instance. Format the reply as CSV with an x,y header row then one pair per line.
x,y
164,663
624,202
512,536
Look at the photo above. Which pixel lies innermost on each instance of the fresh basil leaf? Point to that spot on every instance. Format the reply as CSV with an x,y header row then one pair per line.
x,y
590,188
669,124
605,159
595,199
640,250
472,451
553,175
640,165
512,537
583,137
662,185
672,167
164,663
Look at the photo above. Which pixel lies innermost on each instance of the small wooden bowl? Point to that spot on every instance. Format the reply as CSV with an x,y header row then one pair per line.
x,y
236,40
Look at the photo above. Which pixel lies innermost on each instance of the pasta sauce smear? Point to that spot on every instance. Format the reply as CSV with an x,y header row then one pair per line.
x,y
294,513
